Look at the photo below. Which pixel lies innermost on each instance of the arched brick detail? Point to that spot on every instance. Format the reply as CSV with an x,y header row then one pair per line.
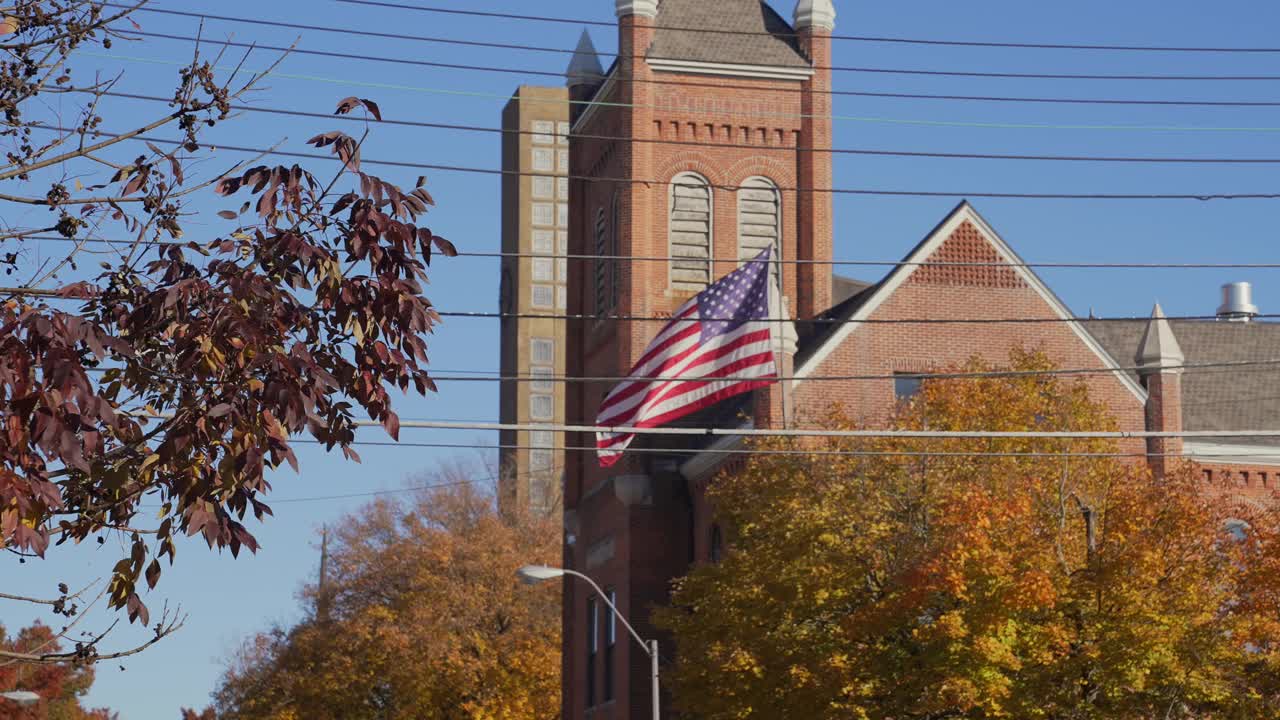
x,y
782,174
693,162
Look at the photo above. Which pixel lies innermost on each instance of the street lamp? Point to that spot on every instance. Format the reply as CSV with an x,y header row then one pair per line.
x,y
21,697
534,574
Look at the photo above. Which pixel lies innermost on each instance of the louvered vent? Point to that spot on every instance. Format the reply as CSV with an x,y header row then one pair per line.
x,y
690,232
759,213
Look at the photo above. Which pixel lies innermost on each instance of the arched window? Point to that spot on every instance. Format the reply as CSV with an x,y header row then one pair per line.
x,y
601,274
615,249
690,232
717,545
759,220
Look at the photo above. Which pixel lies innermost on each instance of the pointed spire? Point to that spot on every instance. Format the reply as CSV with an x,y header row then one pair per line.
x,y
815,14
585,67
1159,348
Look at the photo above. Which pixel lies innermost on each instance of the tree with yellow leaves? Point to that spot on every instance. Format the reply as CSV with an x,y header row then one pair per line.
x,y
997,578
420,616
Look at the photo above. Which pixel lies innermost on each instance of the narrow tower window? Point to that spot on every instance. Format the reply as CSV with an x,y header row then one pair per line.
x,y
759,220
690,232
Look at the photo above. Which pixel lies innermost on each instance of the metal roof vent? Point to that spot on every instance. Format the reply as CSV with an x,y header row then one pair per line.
x,y
1237,303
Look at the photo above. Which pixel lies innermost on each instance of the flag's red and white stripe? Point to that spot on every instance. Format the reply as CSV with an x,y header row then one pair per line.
x,y
689,372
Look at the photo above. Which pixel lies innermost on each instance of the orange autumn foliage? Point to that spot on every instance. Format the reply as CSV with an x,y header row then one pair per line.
x,y
987,579
422,617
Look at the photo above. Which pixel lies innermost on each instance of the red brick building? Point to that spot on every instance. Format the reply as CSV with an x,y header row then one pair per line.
x,y
707,147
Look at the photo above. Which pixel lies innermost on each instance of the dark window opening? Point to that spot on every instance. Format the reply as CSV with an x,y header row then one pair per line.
x,y
717,545
610,639
593,646
906,385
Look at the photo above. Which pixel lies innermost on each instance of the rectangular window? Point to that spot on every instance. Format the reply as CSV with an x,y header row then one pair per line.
x,y
542,351
544,186
541,438
562,215
543,131
564,160
544,214
610,638
542,270
543,386
562,133
539,460
543,296
562,270
544,160
544,242
906,386
541,495
593,646
562,188
562,297
542,407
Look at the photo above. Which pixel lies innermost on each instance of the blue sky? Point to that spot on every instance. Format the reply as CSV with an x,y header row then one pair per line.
x,y
227,599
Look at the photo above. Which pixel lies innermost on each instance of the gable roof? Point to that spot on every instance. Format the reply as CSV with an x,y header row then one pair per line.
x,y
1239,398
846,316
765,39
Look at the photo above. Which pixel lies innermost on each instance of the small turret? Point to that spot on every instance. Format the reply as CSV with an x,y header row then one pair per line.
x,y
647,8
1159,348
584,68
815,14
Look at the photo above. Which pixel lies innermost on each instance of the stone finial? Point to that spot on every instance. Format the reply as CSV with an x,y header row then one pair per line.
x,y
647,8
1159,348
819,14
585,66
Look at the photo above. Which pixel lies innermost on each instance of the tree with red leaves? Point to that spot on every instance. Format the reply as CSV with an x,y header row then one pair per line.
x,y
180,373
60,687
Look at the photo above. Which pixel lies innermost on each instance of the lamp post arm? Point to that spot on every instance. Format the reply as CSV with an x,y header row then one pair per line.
x,y
617,615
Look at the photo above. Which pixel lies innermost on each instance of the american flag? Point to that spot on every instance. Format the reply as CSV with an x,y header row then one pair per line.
x,y
723,332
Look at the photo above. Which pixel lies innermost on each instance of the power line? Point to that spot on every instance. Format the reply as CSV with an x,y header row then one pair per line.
x,y
809,452
743,146
858,38
773,115
565,51
718,260
814,432
814,320
827,433
723,86
54,295
492,376
663,183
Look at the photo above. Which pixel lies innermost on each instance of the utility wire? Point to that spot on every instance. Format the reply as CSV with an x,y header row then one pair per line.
x,y
720,186
565,51
722,86
55,295
774,115
742,146
812,452
721,260
858,38
490,376
814,320
809,432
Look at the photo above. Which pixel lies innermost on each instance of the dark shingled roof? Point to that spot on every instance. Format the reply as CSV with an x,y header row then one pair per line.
x,y
1244,398
745,16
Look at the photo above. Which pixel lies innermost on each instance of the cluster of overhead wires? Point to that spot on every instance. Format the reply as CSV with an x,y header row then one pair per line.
x,y
845,77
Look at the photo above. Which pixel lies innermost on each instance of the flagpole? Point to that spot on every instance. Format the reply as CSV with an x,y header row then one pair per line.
x,y
776,309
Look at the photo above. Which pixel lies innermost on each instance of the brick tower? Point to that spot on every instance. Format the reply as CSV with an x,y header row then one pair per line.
x,y
703,143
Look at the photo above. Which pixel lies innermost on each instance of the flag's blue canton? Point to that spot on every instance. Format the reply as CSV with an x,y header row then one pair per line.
x,y
737,298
